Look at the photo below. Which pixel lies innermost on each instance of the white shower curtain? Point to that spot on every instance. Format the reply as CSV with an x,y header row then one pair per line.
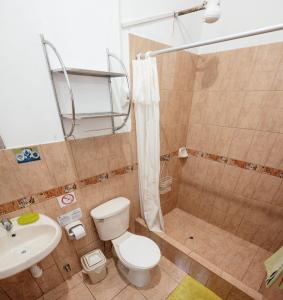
x,y
146,98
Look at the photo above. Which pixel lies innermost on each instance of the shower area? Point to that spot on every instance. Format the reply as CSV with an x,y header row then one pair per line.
x,y
224,214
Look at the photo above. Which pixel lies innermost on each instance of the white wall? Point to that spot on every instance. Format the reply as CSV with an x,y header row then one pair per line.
x,y
237,16
81,30
186,29
242,15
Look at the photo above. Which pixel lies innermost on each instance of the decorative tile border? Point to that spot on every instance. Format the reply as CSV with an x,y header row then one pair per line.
x,y
237,163
58,191
61,190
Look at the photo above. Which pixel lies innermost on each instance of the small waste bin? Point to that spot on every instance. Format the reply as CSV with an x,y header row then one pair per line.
x,y
94,264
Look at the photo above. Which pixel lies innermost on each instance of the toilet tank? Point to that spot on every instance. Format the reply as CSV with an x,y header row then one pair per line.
x,y
111,218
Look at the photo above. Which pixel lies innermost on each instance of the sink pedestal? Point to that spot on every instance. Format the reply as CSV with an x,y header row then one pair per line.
x,y
36,271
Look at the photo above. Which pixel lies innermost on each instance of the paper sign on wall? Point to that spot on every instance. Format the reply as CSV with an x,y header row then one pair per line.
x,y
67,199
70,217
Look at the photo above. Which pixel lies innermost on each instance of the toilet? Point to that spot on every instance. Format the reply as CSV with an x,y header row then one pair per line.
x,y
136,254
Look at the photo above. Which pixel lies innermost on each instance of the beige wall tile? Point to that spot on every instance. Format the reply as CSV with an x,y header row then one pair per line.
x,y
194,138
240,144
207,72
217,217
178,258
33,177
232,102
85,153
50,279
261,80
266,188
271,119
91,196
273,99
278,198
261,146
251,109
198,107
47,262
223,140
266,64
214,175
91,234
247,183
10,188
21,286
65,254
58,158
172,269
230,178
278,81
275,158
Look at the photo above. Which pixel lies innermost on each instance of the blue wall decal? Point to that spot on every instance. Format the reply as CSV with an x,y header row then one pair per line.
x,y
25,155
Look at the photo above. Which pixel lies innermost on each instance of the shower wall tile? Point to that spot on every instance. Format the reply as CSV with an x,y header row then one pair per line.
x,y
278,80
241,143
247,183
278,198
261,146
251,109
237,113
266,188
271,119
266,64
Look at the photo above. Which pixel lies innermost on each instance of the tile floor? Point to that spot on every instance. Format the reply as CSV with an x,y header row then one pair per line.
x,y
166,277
241,259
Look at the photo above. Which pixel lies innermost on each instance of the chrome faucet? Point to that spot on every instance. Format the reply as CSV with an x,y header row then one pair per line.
x,y
7,224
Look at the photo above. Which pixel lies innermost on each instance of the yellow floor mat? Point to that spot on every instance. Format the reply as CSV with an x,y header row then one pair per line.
x,y
190,289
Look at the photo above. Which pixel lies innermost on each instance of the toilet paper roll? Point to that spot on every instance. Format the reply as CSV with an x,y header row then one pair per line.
x,y
78,232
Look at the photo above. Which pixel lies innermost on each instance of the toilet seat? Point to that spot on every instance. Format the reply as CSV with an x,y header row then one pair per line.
x,y
138,252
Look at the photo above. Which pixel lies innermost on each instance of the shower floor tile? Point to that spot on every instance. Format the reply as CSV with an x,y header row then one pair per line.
x,y
241,259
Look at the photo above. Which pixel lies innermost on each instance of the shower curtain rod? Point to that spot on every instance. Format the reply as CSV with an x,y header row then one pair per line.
x,y
215,41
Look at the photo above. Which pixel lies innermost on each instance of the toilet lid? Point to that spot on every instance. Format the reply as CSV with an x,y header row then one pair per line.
x,y
140,251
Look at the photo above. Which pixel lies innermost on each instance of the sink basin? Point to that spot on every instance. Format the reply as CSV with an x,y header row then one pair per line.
x,y
26,245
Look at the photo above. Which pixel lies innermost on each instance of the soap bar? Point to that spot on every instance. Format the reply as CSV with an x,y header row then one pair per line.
x,y
28,218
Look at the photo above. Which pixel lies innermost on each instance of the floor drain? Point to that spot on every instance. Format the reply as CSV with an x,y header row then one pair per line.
x,y
191,237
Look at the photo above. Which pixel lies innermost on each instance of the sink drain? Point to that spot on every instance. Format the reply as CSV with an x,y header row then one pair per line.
x,y
23,251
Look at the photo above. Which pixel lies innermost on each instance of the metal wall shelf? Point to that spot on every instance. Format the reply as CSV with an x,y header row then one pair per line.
x,y
73,116
80,116
85,72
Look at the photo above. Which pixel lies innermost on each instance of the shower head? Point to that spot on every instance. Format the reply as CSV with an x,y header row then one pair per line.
x,y
212,11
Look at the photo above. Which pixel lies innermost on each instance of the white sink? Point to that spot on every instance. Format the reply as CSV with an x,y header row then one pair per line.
x,y
26,245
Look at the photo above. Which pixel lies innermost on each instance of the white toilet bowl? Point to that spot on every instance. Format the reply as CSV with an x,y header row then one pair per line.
x,y
137,256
